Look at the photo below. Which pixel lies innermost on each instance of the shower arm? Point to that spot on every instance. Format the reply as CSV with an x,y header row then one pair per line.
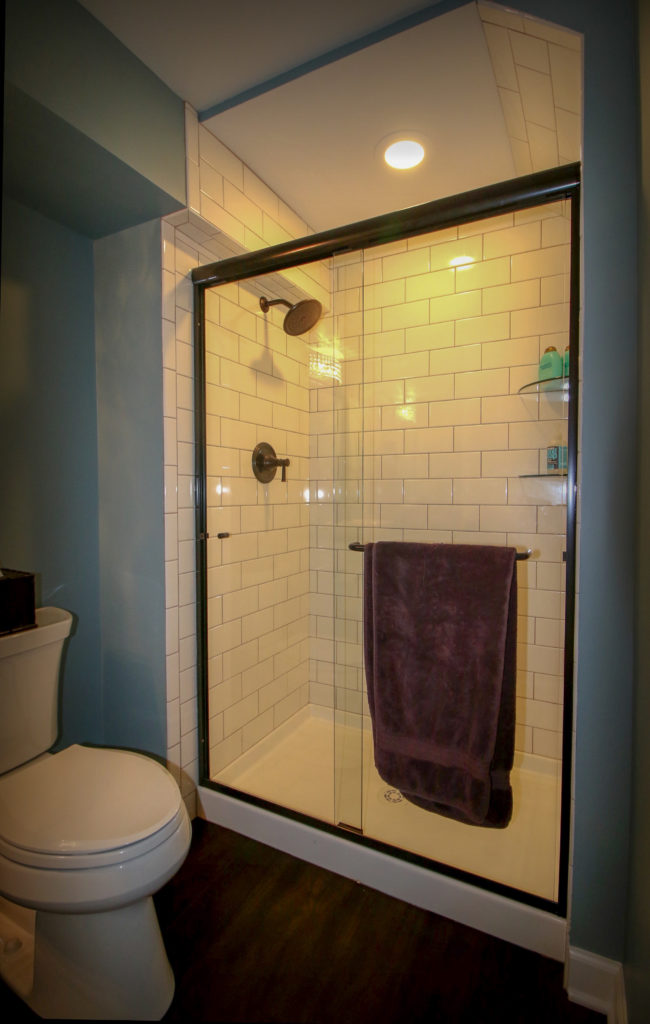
x,y
265,304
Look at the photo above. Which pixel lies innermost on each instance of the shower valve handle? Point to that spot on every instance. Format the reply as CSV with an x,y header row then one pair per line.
x,y
271,463
266,463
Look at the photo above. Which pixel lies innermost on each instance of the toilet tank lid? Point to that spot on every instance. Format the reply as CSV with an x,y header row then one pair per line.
x,y
86,800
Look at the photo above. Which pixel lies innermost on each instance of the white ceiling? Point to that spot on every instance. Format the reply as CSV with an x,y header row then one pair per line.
x,y
209,50
313,135
314,139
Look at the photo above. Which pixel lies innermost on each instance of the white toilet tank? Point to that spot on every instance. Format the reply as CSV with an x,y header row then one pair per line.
x,y
29,687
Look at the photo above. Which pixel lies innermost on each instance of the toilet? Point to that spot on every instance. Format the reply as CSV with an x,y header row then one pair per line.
x,y
87,835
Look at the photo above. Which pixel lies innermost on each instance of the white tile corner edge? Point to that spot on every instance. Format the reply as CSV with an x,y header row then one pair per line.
x,y
597,983
506,919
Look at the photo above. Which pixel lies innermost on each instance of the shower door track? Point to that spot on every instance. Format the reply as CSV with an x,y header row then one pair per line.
x,y
555,184
503,197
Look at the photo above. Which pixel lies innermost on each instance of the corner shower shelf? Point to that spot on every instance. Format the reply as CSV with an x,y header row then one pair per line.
x,y
537,387
553,385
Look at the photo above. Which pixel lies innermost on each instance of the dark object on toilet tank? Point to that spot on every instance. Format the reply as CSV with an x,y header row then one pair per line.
x,y
17,601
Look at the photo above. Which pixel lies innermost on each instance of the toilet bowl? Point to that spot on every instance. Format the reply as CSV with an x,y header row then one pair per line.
x,y
87,835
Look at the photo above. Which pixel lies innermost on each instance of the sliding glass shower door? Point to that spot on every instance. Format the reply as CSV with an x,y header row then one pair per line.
x,y
461,443
412,410
258,570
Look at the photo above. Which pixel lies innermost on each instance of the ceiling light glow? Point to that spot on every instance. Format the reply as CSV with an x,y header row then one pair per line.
x,y
404,154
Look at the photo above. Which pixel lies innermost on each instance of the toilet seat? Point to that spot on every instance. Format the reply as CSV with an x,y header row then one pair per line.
x,y
86,807
118,855
88,830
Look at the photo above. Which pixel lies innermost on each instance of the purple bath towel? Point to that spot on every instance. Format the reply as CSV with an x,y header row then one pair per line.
x,y
440,625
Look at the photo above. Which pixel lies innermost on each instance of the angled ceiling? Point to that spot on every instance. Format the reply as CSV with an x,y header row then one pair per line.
x,y
210,50
475,82
313,135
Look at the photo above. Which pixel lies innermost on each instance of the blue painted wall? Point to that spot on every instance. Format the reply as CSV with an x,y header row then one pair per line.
x,y
637,952
608,559
128,304
94,147
48,439
65,60
81,450
92,138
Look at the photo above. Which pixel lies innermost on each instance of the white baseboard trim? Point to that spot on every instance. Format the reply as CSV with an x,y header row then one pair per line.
x,y
496,915
597,983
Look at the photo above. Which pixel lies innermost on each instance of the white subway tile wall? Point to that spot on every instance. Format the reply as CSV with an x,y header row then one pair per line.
x,y
256,390
401,417
258,577
436,444
538,72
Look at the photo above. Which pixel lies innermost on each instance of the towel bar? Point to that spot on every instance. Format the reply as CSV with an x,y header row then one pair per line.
x,y
521,556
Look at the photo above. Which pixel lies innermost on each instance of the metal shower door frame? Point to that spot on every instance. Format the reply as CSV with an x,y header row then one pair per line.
x,y
540,188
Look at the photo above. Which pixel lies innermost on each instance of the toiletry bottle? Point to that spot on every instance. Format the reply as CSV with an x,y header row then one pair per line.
x,y
557,458
550,365
566,361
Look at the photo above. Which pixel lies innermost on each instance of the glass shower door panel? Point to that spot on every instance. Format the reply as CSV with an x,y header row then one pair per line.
x,y
347,526
456,450
263,544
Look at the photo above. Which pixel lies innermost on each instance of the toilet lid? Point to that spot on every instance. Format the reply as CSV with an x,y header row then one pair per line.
x,y
86,800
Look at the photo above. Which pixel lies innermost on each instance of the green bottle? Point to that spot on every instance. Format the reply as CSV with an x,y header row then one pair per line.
x,y
550,365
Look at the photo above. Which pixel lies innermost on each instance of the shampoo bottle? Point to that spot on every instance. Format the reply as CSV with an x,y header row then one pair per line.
x,y
550,365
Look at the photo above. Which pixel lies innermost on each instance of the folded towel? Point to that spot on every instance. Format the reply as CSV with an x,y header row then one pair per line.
x,y
440,656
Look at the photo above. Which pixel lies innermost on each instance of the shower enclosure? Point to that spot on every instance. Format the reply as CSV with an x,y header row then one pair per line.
x,y
410,410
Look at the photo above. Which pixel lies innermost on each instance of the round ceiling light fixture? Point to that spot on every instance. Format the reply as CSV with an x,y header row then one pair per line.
x,y
404,153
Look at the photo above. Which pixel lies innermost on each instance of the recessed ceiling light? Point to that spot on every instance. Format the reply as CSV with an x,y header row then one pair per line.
x,y
404,154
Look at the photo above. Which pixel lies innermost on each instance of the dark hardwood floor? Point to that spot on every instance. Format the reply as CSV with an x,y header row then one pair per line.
x,y
256,935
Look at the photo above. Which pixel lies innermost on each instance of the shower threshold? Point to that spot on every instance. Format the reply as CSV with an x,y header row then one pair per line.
x,y
294,768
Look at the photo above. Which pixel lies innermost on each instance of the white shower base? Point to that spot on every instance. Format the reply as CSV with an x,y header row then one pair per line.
x,y
294,768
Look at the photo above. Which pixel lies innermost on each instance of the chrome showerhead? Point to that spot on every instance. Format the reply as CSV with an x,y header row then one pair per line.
x,y
301,317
